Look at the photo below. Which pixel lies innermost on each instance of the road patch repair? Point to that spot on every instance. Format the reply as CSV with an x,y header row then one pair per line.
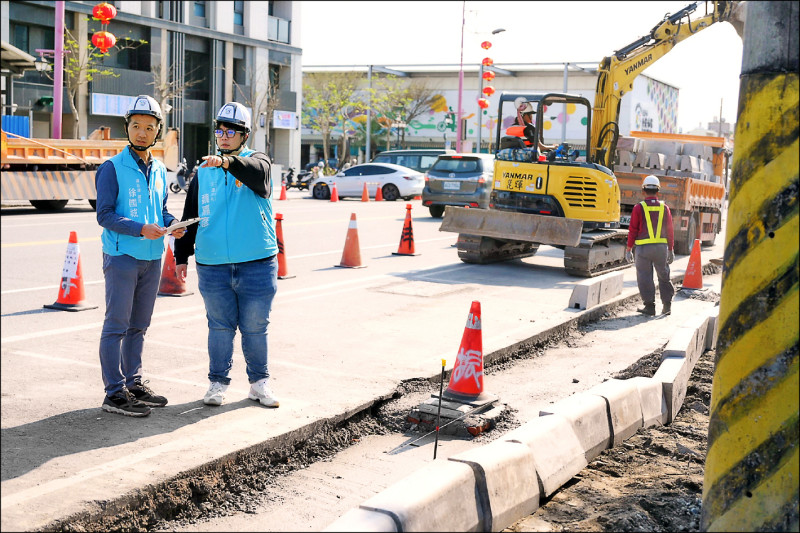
x,y
557,444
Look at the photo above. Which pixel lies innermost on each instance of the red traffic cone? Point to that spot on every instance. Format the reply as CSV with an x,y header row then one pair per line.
x,y
365,194
334,194
283,272
71,278
171,284
693,278
407,237
351,255
378,194
283,192
466,380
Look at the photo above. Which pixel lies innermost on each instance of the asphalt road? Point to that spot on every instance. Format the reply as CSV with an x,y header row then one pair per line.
x,y
339,339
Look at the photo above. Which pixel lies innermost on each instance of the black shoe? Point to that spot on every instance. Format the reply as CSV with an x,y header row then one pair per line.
x,y
648,309
145,394
667,309
123,403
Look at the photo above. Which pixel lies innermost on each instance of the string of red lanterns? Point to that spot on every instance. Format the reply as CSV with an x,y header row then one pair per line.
x,y
488,75
104,39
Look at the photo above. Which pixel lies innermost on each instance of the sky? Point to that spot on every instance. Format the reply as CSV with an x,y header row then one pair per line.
x,y
705,67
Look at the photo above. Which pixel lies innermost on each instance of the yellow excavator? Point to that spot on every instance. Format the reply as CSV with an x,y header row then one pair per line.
x,y
554,197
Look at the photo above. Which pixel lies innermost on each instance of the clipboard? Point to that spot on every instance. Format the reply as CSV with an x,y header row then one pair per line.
x,y
185,223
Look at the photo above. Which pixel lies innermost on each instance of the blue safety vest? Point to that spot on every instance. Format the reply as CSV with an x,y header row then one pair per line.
x,y
236,224
140,201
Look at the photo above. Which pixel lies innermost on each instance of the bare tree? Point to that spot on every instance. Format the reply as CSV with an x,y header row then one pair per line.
x,y
263,96
418,98
168,86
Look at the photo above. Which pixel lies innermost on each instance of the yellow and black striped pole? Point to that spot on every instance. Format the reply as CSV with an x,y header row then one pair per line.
x,y
751,472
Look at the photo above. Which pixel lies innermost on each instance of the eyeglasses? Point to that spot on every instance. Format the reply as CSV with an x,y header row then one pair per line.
x,y
227,133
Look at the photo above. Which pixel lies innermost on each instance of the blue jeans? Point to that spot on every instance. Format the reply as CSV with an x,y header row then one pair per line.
x,y
131,289
238,295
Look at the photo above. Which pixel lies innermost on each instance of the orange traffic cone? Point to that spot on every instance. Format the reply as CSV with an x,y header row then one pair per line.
x,y
283,192
466,380
71,278
407,237
378,194
365,194
283,272
334,194
171,284
351,256
693,278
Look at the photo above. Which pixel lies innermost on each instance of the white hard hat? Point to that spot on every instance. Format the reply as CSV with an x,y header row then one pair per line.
x,y
651,182
528,108
145,105
236,114
321,164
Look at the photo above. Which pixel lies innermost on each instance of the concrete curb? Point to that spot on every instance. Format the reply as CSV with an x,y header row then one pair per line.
x,y
499,488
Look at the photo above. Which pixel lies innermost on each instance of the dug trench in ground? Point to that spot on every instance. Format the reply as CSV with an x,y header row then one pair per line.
x,y
246,481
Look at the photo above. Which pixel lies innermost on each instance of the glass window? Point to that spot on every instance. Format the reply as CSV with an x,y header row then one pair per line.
x,y
238,12
456,165
20,34
200,9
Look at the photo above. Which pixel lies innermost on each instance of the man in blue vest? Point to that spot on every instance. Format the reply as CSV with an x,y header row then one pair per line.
x,y
132,209
235,250
651,232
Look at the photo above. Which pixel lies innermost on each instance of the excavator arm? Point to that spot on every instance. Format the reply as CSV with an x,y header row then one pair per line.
x,y
617,72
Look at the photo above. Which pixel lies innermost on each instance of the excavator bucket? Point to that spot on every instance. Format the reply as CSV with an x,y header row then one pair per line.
x,y
510,226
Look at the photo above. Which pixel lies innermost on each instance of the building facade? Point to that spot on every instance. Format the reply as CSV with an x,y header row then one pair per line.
x,y
207,52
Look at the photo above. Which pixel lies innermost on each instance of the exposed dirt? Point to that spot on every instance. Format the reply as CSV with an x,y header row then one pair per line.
x,y
652,482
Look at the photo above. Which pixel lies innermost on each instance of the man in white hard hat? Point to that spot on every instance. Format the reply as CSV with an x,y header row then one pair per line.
x,y
235,249
651,233
132,209
526,129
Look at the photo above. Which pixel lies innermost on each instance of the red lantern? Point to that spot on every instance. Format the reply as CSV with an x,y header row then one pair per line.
x,y
488,90
486,45
488,75
104,40
487,62
483,103
104,12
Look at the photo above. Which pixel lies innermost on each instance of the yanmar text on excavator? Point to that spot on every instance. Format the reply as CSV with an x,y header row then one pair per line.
x,y
553,195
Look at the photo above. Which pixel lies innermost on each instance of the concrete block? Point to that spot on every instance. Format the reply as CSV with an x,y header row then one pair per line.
x,y
440,496
663,147
624,407
557,452
610,285
657,161
689,340
700,151
623,168
642,159
713,328
585,294
651,398
673,373
625,157
673,162
506,480
588,415
358,519
627,143
689,163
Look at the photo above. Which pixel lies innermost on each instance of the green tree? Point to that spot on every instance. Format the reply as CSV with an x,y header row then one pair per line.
x,y
327,98
82,63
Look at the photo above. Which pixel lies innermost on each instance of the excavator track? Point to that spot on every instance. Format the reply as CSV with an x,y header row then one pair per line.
x,y
598,252
482,250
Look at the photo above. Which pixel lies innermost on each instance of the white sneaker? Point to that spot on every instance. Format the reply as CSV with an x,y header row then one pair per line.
x,y
215,394
261,392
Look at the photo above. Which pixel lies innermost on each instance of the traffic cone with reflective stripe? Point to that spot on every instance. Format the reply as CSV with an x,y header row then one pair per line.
x,y
466,379
334,194
171,284
283,271
378,194
693,278
365,194
70,292
283,192
351,256
407,237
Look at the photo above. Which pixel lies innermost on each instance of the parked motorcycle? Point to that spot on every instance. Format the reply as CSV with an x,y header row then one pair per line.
x,y
183,177
300,182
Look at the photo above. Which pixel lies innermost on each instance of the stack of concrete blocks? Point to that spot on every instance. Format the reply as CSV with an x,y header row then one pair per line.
x,y
491,487
594,291
671,158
